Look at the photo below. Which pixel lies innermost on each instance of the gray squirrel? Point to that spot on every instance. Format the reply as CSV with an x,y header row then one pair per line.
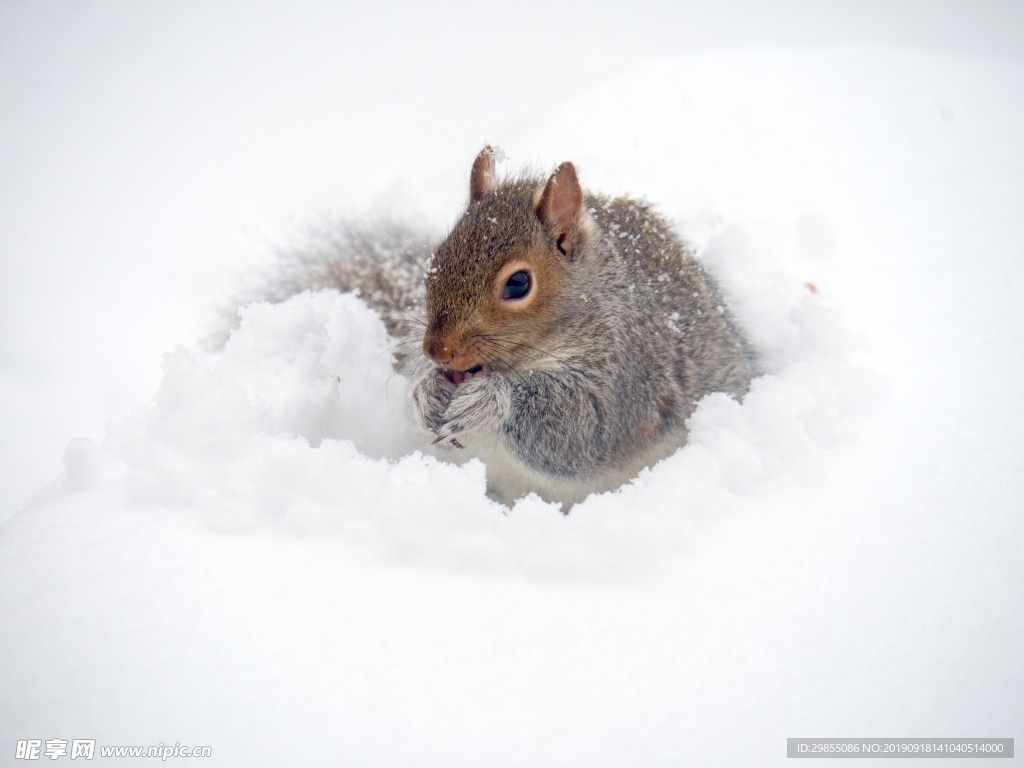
x,y
566,336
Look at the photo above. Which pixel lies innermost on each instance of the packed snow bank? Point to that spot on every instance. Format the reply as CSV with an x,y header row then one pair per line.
x,y
264,559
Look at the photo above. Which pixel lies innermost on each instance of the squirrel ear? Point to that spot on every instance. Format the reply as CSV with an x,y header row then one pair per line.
x,y
481,178
560,207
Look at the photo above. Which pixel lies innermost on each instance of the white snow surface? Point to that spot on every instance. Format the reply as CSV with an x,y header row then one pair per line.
x,y
264,558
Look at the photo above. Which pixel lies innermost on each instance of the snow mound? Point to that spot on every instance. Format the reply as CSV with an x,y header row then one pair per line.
x,y
299,423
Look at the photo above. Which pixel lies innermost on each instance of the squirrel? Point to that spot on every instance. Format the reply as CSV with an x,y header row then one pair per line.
x,y
567,336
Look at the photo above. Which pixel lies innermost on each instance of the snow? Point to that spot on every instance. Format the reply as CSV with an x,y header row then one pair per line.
x,y
258,553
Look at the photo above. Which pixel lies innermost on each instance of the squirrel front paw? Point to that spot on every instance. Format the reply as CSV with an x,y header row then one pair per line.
x,y
479,406
431,394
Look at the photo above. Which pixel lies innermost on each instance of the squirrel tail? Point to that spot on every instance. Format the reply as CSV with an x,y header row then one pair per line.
x,y
382,262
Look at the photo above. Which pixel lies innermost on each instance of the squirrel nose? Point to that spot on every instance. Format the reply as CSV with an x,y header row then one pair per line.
x,y
438,351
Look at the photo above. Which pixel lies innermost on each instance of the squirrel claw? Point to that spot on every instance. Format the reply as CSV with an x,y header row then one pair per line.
x,y
452,442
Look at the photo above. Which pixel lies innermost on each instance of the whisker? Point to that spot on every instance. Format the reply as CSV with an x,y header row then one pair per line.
x,y
377,357
510,365
512,339
489,344
405,312
406,248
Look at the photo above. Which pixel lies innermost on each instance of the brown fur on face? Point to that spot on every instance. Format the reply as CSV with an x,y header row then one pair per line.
x,y
469,324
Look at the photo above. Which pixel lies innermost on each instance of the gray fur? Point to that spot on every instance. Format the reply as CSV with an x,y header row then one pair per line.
x,y
382,262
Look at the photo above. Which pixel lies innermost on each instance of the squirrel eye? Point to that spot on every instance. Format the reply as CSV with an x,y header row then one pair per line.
x,y
517,286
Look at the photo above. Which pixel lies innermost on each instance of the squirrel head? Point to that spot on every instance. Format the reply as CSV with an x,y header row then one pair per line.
x,y
496,285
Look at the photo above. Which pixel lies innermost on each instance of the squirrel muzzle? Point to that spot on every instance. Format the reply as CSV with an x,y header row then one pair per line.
x,y
449,355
